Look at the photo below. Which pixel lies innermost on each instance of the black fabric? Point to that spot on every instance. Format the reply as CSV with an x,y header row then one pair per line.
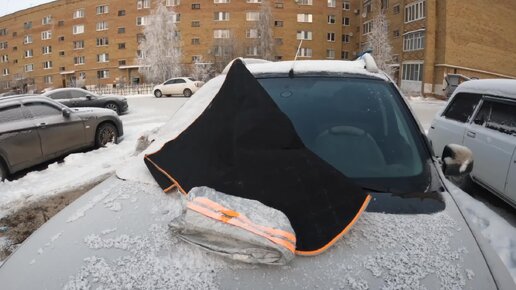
x,y
243,145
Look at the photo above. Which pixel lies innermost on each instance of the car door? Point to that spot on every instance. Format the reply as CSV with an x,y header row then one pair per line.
x,y
180,86
510,186
492,138
62,96
19,138
80,98
450,126
168,87
58,134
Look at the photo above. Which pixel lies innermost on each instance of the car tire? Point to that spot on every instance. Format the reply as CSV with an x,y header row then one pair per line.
x,y
112,106
158,94
105,133
3,172
187,93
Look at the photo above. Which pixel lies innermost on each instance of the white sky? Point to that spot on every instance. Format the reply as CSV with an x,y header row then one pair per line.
x,y
10,6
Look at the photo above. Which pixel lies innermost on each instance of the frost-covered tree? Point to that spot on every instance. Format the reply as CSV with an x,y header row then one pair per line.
x,y
265,42
378,42
160,51
225,50
201,70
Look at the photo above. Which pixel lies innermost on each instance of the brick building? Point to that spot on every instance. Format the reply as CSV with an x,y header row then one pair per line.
x,y
76,42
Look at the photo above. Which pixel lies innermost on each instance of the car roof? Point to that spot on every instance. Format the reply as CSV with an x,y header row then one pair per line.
x,y
15,97
496,87
62,89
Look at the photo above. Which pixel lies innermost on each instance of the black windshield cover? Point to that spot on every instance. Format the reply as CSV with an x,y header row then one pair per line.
x,y
244,145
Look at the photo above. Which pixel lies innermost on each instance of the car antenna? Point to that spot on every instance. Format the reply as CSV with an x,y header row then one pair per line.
x,y
291,71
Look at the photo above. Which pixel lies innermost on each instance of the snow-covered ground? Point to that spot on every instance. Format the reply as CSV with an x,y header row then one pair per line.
x,y
80,169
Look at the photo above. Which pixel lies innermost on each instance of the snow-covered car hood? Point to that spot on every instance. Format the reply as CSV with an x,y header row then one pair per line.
x,y
116,236
91,111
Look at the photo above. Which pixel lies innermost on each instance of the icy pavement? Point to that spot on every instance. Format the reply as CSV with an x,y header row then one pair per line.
x,y
76,170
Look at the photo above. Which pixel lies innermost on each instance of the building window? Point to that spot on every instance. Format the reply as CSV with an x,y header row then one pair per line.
x,y
3,31
29,67
278,5
332,3
102,41
251,50
305,52
29,53
78,44
346,38
79,13
345,5
330,53
60,23
367,27
304,35
221,1
102,74
61,38
196,41
47,79
278,23
221,33
344,54
45,35
47,64
46,49
79,60
61,53
196,58
384,4
122,62
345,21
103,25
121,12
196,23
4,58
3,45
304,18
104,9
254,1
305,2
396,9
27,39
27,25
330,36
396,33
252,16
415,11
331,19
140,37
5,72
251,33
46,20
15,48
221,16
196,6
141,4
78,29
140,20
412,72
103,57
413,41
121,45
121,30
172,2
176,17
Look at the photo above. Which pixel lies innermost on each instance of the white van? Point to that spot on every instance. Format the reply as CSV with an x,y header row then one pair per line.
x,y
481,115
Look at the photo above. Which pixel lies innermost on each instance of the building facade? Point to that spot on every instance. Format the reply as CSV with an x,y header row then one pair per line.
x,y
85,42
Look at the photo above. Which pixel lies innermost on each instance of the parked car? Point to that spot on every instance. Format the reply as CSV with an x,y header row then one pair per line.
x,y
482,116
76,97
413,235
452,82
177,87
34,129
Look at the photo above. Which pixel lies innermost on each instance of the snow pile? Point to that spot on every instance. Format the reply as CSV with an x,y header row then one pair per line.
x,y
500,234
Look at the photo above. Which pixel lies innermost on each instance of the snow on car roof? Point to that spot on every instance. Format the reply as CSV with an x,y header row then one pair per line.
x,y
496,87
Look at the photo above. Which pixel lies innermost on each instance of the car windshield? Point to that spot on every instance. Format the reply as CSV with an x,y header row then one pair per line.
x,y
360,126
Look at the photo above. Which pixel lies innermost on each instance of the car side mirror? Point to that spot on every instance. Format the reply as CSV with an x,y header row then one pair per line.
x,y
66,112
457,160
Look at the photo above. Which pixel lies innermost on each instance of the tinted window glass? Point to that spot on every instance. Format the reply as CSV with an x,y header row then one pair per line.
x,y
462,106
78,94
180,81
10,114
169,82
498,116
42,109
192,79
62,95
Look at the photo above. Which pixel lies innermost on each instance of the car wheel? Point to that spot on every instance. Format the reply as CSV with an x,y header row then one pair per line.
x,y
158,94
187,93
106,133
3,172
113,106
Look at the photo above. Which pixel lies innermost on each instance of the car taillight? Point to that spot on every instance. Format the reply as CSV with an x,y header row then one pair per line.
x,y
198,84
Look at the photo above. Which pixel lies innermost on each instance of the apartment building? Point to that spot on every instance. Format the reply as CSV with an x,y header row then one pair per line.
x,y
79,42
433,38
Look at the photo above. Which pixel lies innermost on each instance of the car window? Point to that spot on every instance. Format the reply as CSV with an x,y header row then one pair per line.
x,y
169,82
180,81
462,107
192,79
78,94
11,114
40,109
497,116
359,126
61,95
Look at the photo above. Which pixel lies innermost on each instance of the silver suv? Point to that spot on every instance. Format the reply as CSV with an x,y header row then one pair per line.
x,y
34,129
